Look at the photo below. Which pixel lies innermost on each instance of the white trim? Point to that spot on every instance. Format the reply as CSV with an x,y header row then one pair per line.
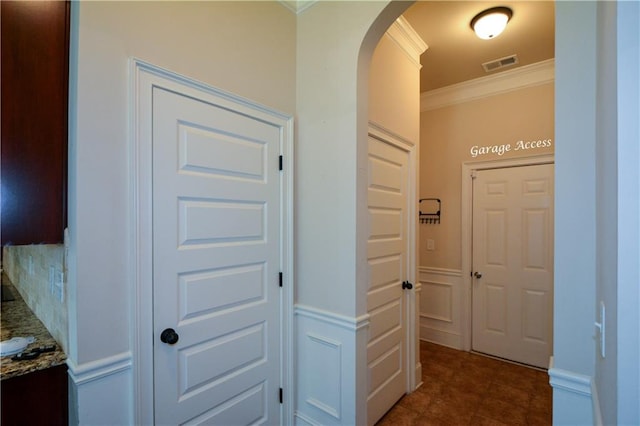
x,y
597,412
440,271
504,82
569,381
441,337
406,37
143,78
466,218
327,317
442,330
99,369
297,6
382,133
305,419
327,354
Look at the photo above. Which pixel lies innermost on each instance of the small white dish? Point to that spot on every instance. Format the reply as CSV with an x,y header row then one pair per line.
x,y
15,345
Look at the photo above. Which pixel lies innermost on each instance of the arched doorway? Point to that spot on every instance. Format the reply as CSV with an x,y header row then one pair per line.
x,y
336,41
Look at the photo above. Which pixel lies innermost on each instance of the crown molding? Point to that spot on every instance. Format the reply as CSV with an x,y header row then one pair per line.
x,y
504,82
297,6
403,34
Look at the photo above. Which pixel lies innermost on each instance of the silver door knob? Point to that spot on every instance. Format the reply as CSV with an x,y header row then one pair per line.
x,y
477,274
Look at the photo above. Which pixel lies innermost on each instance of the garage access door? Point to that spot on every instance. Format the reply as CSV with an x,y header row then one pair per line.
x,y
513,263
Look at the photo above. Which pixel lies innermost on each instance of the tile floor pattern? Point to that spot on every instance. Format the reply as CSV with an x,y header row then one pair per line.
x,y
460,388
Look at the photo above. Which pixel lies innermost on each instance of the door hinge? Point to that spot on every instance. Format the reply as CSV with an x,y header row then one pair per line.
x,y
280,162
280,279
281,395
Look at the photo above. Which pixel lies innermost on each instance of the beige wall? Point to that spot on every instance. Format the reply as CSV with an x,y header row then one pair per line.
x,y
447,137
394,86
247,48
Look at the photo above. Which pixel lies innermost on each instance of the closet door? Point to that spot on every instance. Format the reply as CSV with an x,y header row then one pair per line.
x,y
388,248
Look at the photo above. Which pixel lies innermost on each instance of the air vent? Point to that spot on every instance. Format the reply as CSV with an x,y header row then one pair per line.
x,y
507,61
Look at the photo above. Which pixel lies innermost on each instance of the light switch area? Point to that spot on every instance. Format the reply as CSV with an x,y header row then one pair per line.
x,y
431,244
56,283
30,265
600,325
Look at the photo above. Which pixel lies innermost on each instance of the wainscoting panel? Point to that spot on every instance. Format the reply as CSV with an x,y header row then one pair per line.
x,y
326,376
441,306
96,391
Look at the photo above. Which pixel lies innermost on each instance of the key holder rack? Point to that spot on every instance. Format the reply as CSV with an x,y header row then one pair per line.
x,y
430,210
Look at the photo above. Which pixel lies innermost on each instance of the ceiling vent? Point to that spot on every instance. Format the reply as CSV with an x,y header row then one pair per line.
x,y
495,65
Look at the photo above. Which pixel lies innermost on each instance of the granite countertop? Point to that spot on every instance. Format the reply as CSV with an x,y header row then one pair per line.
x,y
17,320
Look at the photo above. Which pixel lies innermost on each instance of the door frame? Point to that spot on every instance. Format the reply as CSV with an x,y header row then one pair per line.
x,y
468,168
143,78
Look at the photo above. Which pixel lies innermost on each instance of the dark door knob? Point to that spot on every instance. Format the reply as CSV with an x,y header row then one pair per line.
x,y
169,336
406,285
477,275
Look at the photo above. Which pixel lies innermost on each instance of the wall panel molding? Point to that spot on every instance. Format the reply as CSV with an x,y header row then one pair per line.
x,y
326,350
441,306
99,369
332,318
91,382
570,381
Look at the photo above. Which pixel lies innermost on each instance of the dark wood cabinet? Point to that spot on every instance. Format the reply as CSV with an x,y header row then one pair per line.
x,y
35,65
38,398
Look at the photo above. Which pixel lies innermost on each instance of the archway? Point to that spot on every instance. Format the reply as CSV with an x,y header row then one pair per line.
x,y
336,41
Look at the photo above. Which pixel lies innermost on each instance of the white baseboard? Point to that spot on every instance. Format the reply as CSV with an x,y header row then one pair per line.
x,y
444,338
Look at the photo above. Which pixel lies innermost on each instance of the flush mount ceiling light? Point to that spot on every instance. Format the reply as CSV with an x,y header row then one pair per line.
x,y
491,22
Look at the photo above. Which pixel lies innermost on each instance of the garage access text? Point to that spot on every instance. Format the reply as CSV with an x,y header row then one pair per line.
x,y
501,149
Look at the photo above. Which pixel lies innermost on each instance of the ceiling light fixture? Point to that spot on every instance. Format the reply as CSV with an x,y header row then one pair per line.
x,y
491,22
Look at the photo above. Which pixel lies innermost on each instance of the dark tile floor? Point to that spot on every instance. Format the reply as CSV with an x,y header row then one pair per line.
x,y
462,388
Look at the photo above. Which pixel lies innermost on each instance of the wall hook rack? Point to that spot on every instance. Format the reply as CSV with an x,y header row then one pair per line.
x,y
431,213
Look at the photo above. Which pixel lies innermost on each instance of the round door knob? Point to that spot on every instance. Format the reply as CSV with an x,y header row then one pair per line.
x,y
169,336
477,275
406,285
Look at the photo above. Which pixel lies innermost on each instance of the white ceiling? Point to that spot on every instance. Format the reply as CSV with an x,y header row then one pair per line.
x,y
456,54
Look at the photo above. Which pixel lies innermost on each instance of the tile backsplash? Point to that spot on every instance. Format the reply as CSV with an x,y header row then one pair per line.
x,y
38,273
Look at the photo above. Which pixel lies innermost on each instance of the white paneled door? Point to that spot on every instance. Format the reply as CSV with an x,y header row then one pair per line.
x,y
387,252
216,260
513,263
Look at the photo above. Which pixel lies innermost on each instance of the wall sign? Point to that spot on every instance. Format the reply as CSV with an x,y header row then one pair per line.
x,y
501,149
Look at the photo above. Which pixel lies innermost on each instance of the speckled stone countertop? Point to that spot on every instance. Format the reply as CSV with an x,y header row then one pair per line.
x,y
17,320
